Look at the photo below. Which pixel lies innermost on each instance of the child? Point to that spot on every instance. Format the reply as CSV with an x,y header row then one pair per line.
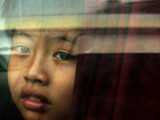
x,y
41,72
42,64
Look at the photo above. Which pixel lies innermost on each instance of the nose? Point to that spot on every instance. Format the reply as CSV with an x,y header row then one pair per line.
x,y
36,72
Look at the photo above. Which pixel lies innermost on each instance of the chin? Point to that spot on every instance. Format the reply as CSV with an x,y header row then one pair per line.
x,y
31,115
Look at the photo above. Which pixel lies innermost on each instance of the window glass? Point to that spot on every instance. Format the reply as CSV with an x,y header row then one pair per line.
x,y
79,59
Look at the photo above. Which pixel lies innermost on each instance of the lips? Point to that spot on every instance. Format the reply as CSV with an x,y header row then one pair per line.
x,y
34,100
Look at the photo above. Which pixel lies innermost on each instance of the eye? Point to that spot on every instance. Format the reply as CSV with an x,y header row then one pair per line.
x,y
22,49
65,56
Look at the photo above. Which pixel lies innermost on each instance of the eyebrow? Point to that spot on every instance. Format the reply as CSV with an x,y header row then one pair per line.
x,y
16,32
60,38
63,39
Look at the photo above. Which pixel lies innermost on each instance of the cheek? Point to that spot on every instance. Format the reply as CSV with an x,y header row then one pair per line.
x,y
12,78
12,73
15,72
14,83
18,63
62,87
66,77
65,82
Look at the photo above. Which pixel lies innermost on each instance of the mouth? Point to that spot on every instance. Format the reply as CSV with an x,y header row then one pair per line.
x,y
34,100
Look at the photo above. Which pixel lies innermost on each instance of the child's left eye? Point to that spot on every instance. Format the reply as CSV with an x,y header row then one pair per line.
x,y
65,56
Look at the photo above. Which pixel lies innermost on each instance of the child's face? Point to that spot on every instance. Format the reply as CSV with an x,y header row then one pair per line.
x,y
41,72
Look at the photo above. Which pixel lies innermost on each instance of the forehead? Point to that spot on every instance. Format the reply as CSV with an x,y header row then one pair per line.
x,y
71,33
